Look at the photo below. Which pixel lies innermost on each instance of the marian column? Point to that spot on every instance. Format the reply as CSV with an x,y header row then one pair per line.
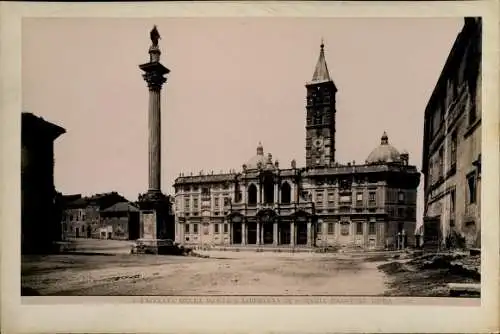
x,y
156,223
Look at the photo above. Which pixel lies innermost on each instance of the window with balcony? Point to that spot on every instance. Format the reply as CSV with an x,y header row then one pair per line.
x,y
401,212
345,198
371,228
216,228
195,228
441,162
371,196
205,191
186,204
286,193
472,114
319,228
359,228
331,229
195,203
344,228
453,150
216,202
186,228
226,201
401,197
331,197
359,197
471,184
452,202
319,198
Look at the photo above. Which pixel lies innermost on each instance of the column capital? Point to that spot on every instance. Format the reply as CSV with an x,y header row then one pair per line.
x,y
154,74
154,80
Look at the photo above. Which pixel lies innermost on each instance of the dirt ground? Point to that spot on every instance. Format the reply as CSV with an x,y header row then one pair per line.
x,y
223,273
103,267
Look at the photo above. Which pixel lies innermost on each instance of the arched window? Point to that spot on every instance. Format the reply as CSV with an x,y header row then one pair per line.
x,y
269,190
252,194
285,193
318,118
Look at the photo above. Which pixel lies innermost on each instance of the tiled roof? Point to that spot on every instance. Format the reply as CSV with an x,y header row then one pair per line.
x,y
122,207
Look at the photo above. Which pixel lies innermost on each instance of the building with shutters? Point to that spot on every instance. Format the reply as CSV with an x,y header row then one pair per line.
x,y
452,146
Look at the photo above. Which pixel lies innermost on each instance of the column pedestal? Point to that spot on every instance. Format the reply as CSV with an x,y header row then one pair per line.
x,y
157,229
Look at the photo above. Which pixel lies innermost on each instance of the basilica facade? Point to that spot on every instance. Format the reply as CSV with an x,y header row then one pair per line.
x,y
324,204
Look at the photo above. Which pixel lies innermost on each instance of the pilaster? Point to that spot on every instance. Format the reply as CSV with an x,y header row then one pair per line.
x,y
309,234
243,233
275,234
258,233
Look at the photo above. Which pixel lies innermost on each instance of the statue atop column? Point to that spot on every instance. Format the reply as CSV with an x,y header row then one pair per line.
x,y
155,36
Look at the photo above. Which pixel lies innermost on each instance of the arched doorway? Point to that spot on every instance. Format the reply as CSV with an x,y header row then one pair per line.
x,y
252,194
284,233
285,193
301,228
236,229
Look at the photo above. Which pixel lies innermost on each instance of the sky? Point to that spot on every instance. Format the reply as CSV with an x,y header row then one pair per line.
x,y
234,82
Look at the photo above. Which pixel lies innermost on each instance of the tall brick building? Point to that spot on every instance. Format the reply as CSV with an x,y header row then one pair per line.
x,y
452,146
326,203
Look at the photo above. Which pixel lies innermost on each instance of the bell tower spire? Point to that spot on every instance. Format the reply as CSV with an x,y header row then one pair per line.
x,y
320,118
321,72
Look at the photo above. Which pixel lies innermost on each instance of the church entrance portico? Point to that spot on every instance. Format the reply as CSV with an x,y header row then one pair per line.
x,y
284,233
301,233
236,233
268,233
252,233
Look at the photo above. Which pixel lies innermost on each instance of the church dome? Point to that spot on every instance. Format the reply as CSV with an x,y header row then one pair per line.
x,y
385,152
259,158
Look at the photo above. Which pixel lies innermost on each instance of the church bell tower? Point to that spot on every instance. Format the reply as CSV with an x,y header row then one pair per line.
x,y
320,116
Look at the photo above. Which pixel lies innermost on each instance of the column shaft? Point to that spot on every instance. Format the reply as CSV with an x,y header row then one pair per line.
x,y
309,234
275,234
154,124
243,234
292,234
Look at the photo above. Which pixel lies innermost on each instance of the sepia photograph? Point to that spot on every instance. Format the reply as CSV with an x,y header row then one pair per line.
x,y
253,159
368,183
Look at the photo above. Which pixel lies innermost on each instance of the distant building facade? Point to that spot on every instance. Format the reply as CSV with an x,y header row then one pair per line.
x,y
370,205
452,146
120,222
81,216
40,226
